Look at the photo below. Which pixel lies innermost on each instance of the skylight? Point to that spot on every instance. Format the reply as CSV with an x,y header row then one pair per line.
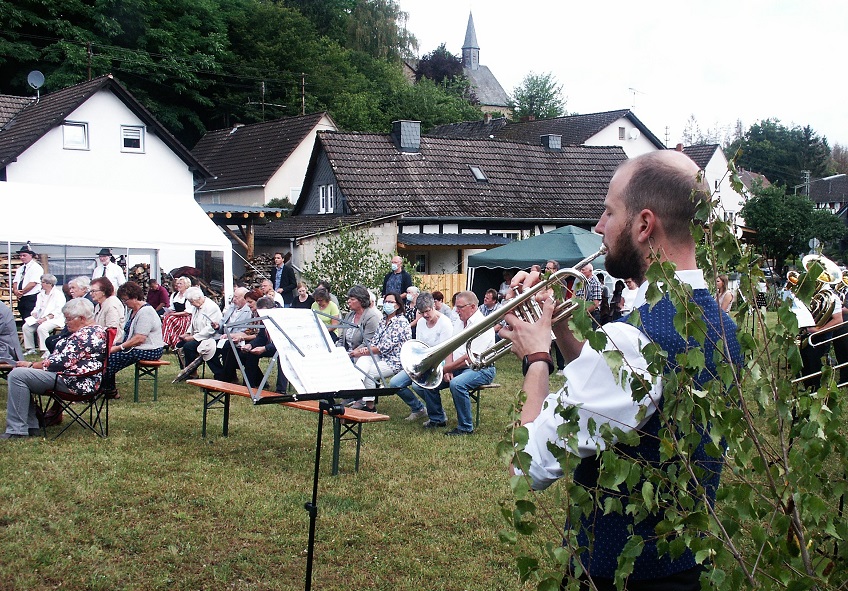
x,y
478,173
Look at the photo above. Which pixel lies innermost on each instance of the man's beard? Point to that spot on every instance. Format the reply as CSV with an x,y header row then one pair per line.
x,y
624,260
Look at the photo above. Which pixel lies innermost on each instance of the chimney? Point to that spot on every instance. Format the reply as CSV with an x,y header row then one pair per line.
x,y
407,135
552,142
487,118
679,147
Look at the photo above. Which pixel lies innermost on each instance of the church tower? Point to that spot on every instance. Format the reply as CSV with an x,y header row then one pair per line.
x,y
470,49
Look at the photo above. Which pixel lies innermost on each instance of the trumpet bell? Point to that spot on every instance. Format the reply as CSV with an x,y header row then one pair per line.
x,y
413,354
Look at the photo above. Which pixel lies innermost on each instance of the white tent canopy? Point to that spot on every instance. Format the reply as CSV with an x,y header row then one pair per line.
x,y
118,219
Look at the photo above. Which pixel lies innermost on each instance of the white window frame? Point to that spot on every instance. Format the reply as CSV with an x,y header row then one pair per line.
x,y
331,198
322,199
127,133
69,142
622,133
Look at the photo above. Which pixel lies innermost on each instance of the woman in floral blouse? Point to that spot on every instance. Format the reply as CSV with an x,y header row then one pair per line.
x,y
83,352
380,359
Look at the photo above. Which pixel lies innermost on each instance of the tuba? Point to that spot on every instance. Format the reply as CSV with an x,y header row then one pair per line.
x,y
423,364
828,285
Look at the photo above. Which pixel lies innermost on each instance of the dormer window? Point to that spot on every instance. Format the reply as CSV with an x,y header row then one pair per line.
x,y
75,135
132,138
479,175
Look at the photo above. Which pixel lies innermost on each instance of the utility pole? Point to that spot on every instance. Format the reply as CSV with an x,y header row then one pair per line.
x,y
806,174
303,93
89,61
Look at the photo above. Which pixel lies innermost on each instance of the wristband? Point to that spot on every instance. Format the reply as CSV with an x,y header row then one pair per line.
x,y
536,358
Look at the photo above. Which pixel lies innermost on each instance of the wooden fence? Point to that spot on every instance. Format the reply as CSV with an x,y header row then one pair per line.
x,y
447,284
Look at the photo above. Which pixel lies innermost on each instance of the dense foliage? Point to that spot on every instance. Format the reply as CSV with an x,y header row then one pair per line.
x,y
208,64
782,153
538,96
777,522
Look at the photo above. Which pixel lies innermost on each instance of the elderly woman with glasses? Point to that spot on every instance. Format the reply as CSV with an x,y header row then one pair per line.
x,y
79,358
108,309
205,318
46,316
361,322
142,336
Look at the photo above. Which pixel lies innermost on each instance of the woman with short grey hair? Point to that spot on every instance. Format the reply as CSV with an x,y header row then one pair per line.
x,y
205,317
78,286
361,322
45,317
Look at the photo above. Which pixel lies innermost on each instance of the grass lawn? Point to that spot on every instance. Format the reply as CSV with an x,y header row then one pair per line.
x,y
155,506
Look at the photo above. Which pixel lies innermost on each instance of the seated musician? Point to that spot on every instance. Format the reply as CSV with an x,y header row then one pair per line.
x,y
261,346
458,376
236,312
142,336
225,369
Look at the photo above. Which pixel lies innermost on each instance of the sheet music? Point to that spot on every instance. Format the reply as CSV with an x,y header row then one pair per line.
x,y
310,360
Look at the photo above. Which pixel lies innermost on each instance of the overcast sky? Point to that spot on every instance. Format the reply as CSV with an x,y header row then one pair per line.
x,y
720,60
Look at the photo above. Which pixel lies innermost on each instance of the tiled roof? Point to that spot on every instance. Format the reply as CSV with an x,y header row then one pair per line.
x,y
748,178
302,226
249,155
524,181
574,129
11,105
37,118
231,208
487,88
452,240
470,129
701,154
833,189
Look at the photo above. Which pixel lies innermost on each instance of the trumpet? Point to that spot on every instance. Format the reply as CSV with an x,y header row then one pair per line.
x,y
423,364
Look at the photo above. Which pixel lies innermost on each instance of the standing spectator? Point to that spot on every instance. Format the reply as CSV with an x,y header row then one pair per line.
x,y
108,269
592,292
27,282
397,280
629,295
460,378
434,328
283,278
724,296
617,301
46,316
304,299
157,297
108,309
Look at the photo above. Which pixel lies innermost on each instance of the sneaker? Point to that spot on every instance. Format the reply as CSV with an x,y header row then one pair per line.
x,y
458,431
30,352
561,372
431,424
181,357
419,414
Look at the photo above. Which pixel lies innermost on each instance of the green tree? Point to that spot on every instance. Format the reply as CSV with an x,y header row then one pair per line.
x,y
538,96
439,65
378,28
839,159
782,153
348,258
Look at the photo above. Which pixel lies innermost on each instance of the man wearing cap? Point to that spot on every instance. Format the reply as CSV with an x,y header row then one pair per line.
x,y
27,283
108,269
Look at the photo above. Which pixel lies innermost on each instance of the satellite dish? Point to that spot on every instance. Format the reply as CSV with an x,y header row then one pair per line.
x,y
35,79
634,134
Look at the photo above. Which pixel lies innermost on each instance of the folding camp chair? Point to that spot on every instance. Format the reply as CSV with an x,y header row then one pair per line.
x,y
95,404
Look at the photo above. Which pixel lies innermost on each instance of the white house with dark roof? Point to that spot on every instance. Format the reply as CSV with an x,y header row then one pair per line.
x,y
258,162
457,196
711,160
830,193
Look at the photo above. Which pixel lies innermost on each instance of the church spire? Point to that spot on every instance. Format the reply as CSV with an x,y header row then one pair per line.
x,y
470,49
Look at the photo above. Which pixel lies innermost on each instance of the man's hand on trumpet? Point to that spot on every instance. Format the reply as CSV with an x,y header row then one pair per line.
x,y
530,337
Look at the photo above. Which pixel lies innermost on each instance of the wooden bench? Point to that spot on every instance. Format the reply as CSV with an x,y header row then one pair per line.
x,y
475,398
5,368
148,370
347,426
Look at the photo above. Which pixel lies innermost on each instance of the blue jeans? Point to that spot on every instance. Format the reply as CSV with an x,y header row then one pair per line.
x,y
461,385
403,381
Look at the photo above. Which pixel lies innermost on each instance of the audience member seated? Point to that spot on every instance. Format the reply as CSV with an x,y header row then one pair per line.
x,y
226,369
108,309
78,358
303,299
261,346
329,312
177,318
363,315
433,328
205,315
143,336
326,285
267,289
46,316
158,297
380,359
10,344
78,288
236,312
460,378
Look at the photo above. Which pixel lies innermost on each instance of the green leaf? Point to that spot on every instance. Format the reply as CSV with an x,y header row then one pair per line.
x,y
648,495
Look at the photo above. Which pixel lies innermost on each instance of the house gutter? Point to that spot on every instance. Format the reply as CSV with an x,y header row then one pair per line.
x,y
447,220
231,189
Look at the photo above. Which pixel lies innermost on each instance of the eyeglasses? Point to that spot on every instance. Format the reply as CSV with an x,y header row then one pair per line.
x,y
95,290
458,307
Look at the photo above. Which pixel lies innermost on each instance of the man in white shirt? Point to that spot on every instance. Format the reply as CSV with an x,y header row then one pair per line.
x,y
648,211
27,282
108,269
458,376
267,289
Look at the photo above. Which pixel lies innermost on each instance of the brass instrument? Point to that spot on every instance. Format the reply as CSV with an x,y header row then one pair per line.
x,y
826,298
423,363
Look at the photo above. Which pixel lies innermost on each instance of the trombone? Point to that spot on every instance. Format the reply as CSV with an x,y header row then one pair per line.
x,y
423,364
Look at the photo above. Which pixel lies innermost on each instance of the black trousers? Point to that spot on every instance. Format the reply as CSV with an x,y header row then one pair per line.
x,y
26,305
687,580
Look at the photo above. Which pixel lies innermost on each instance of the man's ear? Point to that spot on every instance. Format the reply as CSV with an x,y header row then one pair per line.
x,y
646,223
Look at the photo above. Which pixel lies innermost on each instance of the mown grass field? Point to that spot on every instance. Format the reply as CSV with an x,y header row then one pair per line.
x,y
155,506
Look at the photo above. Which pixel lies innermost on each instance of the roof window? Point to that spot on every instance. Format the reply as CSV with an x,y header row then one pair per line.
x,y
478,173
